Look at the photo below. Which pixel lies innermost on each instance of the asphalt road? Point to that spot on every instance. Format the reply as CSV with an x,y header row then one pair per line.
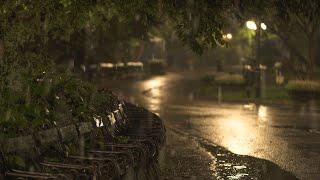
x,y
211,140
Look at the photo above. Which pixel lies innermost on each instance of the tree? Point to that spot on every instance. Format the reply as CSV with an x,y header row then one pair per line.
x,y
199,24
28,28
295,22
32,89
303,21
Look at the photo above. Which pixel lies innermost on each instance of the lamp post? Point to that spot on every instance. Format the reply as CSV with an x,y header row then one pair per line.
x,y
227,38
258,28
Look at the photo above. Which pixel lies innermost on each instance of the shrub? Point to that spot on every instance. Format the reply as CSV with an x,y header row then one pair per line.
x,y
303,86
50,99
157,66
229,79
209,78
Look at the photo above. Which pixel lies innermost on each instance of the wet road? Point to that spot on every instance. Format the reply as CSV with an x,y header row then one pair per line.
x,y
207,140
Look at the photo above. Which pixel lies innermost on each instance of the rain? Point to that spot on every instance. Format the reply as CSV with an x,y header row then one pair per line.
x,y
160,89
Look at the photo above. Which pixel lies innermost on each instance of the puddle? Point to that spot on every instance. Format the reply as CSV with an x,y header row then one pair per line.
x,y
228,165
238,176
245,167
239,167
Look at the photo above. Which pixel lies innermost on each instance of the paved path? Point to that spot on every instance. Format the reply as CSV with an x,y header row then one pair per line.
x,y
230,141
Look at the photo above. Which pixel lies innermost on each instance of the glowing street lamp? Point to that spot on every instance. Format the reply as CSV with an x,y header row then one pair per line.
x,y
251,25
227,36
258,27
263,26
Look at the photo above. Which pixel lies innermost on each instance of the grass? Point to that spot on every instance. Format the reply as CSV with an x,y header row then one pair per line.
x,y
234,89
273,93
303,86
229,79
157,66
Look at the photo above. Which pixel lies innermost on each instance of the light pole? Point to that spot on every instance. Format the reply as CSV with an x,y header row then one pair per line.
x,y
258,28
227,38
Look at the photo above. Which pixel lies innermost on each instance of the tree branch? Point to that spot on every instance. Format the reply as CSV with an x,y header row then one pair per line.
x,y
290,47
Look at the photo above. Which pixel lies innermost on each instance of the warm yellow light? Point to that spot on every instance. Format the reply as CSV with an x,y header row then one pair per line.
x,y
263,26
153,89
262,113
156,39
251,25
229,36
153,83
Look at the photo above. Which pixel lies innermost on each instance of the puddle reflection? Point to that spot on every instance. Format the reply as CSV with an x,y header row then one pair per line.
x,y
235,130
153,89
262,113
236,127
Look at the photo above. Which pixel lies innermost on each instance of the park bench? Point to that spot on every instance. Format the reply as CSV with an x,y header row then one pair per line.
x,y
88,149
50,156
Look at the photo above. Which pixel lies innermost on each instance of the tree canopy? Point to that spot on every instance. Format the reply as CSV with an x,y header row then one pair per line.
x,y
29,28
296,23
34,32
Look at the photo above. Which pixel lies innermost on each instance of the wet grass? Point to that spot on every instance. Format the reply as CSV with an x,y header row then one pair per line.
x,y
273,94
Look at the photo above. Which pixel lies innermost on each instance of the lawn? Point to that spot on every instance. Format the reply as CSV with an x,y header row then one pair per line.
x,y
273,93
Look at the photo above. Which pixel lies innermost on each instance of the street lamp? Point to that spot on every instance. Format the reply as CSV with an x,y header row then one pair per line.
x,y
258,27
263,26
251,25
227,36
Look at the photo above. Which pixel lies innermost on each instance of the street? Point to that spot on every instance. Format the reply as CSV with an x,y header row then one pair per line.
x,y
208,140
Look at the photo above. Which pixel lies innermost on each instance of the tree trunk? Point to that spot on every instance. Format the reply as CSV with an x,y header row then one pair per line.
x,y
219,65
1,50
141,51
78,45
311,57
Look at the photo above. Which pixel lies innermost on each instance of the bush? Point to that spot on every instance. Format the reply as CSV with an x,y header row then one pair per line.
x,y
157,66
303,86
229,79
209,78
50,99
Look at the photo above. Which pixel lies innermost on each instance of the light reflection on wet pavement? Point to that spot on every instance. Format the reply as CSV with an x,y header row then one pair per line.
x,y
207,140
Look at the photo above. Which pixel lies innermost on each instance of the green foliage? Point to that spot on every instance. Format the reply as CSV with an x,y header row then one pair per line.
x,y
295,23
229,79
198,23
123,139
224,79
50,100
101,103
157,66
35,95
303,86
208,79
16,161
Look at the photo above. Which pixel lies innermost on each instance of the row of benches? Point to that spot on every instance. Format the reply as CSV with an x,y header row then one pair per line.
x,y
100,148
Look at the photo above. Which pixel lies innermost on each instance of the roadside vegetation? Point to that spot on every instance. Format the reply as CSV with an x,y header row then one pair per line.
x,y
51,100
303,89
234,88
226,79
157,66
36,35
